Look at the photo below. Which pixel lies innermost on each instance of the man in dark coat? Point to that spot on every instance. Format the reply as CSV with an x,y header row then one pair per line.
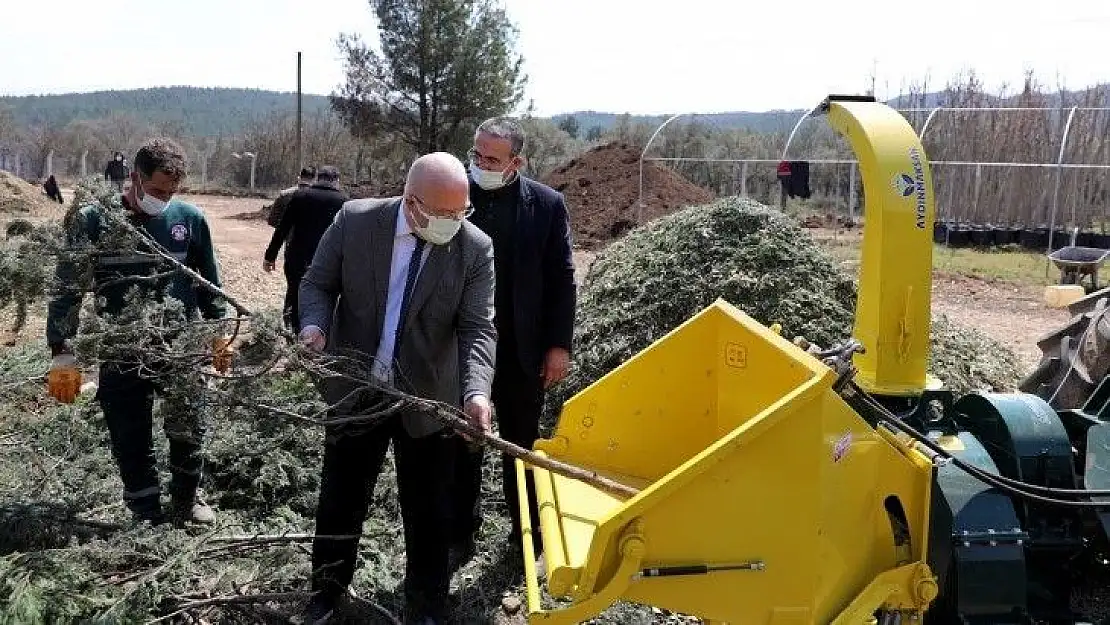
x,y
52,190
309,213
277,209
535,302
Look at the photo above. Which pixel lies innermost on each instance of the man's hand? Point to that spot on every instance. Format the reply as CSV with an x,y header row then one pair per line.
x,y
221,353
556,364
313,338
63,382
267,266
478,413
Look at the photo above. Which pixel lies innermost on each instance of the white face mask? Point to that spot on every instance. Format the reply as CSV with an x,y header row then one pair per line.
x,y
439,230
149,204
488,180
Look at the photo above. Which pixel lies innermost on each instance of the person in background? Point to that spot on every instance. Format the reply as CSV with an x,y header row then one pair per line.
x,y
408,282
308,214
116,172
126,389
277,209
52,190
307,177
536,299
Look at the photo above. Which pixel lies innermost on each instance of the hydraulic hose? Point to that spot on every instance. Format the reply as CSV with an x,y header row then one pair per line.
x,y
1009,485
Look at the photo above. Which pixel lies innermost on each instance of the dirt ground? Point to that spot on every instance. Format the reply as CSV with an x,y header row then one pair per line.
x,y
1010,313
239,245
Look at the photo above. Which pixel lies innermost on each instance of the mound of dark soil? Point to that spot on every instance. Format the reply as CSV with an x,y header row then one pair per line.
x,y
360,190
602,190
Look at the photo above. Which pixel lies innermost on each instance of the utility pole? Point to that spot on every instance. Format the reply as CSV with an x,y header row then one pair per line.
x,y
300,158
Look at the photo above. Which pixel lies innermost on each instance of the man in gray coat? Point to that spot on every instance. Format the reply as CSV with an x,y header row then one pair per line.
x,y
406,284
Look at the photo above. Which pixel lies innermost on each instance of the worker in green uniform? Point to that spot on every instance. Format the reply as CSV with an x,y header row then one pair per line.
x,y
127,387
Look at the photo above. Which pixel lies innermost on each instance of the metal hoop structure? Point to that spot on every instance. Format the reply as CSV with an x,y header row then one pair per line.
x,y
1058,166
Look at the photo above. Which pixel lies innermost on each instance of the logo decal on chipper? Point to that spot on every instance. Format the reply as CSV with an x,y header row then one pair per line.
x,y
913,185
841,446
179,232
904,185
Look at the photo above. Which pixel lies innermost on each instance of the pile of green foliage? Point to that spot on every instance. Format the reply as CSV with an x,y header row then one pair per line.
x,y
70,552
758,259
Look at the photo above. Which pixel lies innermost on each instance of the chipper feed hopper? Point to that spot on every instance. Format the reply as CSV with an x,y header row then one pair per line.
x,y
744,479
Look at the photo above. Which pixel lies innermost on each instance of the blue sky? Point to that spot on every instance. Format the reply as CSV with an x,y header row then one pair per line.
x,y
610,55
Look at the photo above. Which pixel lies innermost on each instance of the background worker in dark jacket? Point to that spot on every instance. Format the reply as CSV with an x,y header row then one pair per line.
x,y
52,190
116,171
277,209
535,304
126,389
309,213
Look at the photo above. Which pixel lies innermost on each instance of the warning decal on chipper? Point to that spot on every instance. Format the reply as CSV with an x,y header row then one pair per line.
x,y
736,355
913,185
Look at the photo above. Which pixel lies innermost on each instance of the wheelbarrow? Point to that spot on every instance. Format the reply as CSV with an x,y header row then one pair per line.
x,y
753,490
1076,262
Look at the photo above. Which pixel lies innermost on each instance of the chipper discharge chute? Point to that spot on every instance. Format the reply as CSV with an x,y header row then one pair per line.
x,y
742,479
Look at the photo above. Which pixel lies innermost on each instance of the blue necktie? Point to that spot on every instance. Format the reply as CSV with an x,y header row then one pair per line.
x,y
410,282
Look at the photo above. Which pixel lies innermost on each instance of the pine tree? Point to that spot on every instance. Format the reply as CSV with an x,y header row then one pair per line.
x,y
444,66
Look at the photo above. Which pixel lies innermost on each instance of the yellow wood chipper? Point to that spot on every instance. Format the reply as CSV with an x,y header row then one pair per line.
x,y
764,483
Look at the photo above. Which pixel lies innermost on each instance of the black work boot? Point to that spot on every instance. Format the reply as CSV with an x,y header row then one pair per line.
x,y
148,509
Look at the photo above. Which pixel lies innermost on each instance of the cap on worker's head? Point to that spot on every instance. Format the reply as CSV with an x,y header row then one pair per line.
x,y
327,173
308,172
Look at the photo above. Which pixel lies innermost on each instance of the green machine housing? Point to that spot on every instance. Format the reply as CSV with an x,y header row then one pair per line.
x,y
1003,557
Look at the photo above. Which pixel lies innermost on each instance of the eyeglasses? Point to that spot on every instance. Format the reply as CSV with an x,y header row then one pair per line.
x,y
481,159
460,215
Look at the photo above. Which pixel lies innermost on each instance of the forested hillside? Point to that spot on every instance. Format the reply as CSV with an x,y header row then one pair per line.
x,y
208,112
199,112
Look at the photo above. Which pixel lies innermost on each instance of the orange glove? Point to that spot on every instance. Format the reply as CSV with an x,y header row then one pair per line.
x,y
221,353
63,382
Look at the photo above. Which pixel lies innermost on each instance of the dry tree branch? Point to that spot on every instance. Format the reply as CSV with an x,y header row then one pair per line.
x,y
449,416
281,538
259,598
240,545
455,419
229,600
